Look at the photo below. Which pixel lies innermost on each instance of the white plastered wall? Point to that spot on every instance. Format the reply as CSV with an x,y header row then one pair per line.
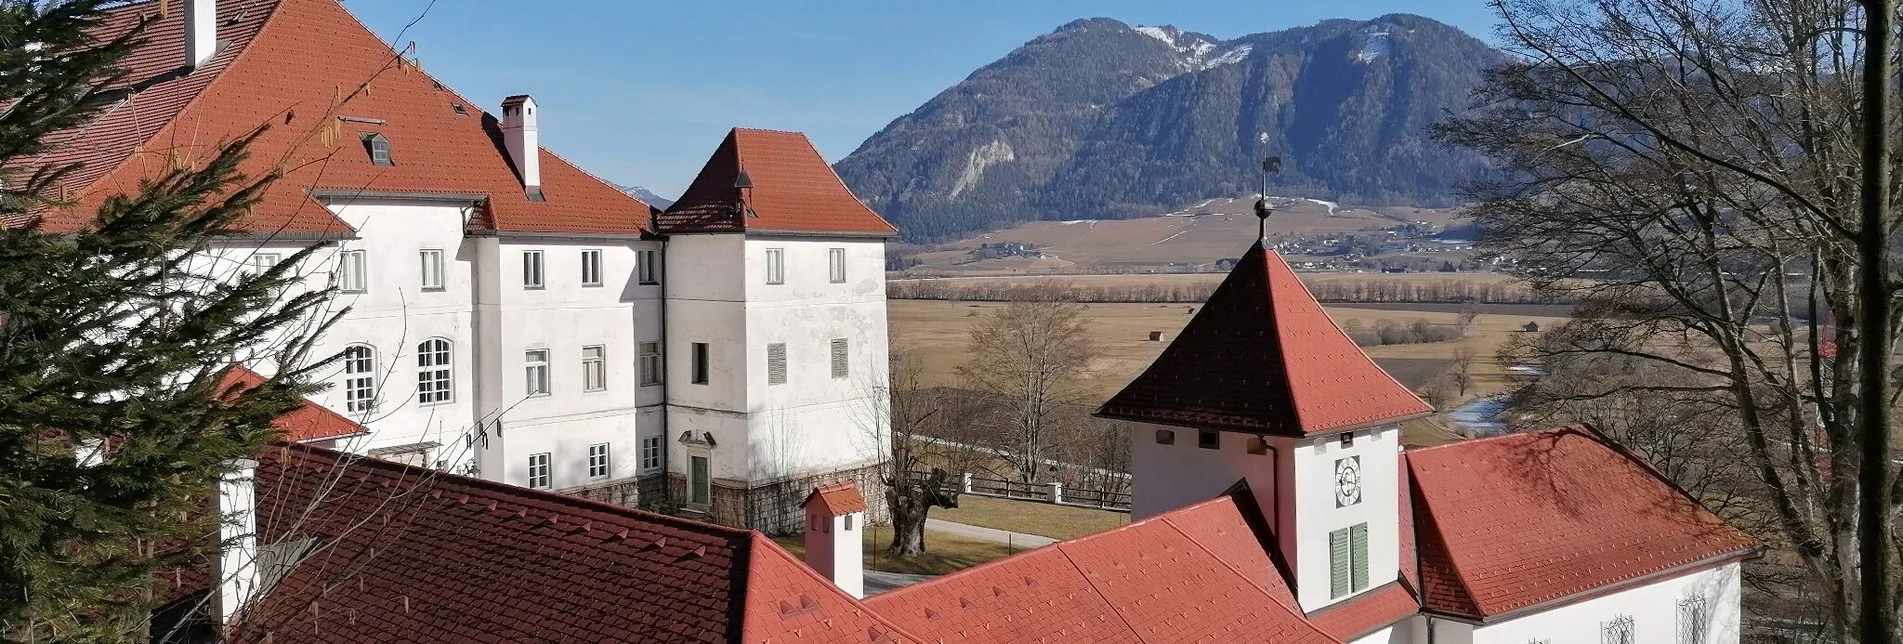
x,y
1316,514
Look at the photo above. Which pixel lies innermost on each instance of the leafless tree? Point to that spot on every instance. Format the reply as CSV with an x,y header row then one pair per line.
x,y
1462,370
1698,161
915,433
1030,359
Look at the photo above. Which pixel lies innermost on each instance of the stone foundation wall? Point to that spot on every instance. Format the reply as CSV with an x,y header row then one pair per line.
x,y
774,507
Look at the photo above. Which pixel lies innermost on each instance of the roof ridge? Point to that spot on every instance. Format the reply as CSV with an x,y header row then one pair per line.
x,y
1000,561
516,491
1495,438
1439,544
1232,567
171,125
772,548
1276,256
1115,609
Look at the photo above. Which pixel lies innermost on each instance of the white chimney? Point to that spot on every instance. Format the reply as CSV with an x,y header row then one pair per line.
x,y
835,525
238,532
524,144
201,32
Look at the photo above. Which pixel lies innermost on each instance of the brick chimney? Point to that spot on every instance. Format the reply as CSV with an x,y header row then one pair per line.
x,y
238,532
835,525
523,142
201,32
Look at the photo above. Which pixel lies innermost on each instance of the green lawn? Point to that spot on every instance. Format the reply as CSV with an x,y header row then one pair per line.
x,y
944,553
1030,517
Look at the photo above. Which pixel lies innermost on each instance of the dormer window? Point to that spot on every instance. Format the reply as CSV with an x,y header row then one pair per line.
x,y
379,148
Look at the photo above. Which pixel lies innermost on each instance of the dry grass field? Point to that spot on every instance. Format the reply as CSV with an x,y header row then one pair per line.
x,y
1189,279
1185,235
936,333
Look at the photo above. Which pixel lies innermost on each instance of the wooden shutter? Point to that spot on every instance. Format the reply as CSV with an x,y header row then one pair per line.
x,y
776,363
839,358
1358,555
1338,564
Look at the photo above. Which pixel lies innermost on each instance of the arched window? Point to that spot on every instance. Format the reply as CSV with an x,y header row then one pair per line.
x,y
435,376
360,377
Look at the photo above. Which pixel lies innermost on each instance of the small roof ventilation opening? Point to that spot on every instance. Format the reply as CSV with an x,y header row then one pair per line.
x,y
379,148
460,110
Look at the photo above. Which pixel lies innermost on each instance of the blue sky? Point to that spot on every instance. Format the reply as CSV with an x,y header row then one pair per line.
x,y
640,92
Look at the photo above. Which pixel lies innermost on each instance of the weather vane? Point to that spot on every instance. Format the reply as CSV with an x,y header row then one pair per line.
x,y
1270,165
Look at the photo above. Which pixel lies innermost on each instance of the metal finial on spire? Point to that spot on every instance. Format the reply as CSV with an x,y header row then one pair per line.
x,y
1270,165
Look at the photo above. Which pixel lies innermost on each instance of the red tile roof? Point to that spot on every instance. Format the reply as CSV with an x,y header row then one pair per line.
x,y
1197,574
1522,520
836,499
300,65
309,422
1367,612
411,554
1261,356
794,191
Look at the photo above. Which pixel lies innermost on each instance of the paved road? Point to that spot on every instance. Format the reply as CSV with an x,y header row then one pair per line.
x,y
1018,540
879,581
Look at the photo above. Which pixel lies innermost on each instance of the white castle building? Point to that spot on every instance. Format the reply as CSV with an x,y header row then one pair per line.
x,y
509,315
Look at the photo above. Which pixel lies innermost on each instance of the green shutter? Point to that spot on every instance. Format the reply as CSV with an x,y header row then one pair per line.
x,y
1358,555
1338,564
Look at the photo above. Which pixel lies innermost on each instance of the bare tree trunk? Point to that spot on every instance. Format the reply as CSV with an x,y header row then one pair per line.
x,y
1877,621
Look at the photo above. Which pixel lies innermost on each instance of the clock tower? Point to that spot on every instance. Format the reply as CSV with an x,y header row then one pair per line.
x,y
1262,390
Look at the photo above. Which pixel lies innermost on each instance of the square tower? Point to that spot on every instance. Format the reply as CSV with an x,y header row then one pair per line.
x,y
776,333
1262,388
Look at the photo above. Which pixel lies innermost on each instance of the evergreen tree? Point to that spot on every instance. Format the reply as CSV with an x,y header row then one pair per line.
x,y
113,429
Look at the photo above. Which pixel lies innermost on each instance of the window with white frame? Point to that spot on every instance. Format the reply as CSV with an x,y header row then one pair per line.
x,y
776,363
1617,630
432,261
532,269
598,461
650,454
650,364
848,525
836,265
591,267
594,368
538,471
350,275
775,266
535,365
647,267
840,365
435,378
360,378
258,263
1694,620
1348,560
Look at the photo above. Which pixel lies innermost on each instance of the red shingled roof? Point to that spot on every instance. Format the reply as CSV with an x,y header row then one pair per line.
x,y
1367,612
309,422
1518,521
1261,356
411,554
794,191
836,499
1197,574
299,65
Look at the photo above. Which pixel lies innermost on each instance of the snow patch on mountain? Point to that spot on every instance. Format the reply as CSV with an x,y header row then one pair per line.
x,y
1232,56
1193,48
1377,46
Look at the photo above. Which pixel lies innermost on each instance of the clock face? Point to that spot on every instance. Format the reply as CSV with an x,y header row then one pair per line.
x,y
1347,481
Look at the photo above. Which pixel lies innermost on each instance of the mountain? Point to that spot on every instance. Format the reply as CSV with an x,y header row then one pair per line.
x,y
645,195
1101,120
